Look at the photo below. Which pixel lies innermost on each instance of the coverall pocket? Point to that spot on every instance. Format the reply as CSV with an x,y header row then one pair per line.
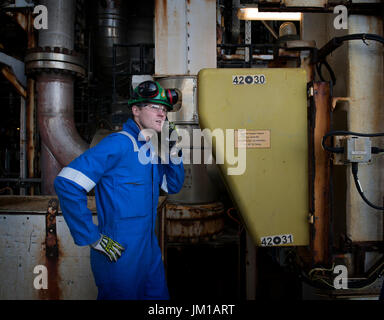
x,y
133,202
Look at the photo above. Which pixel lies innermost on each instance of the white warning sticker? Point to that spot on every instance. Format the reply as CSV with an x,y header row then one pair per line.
x,y
276,240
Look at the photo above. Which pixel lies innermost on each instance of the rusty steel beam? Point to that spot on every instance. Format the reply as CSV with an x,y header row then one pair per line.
x,y
52,258
10,76
320,168
51,242
30,127
25,21
31,106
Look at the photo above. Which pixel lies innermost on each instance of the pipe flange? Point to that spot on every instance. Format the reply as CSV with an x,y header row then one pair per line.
x,y
54,60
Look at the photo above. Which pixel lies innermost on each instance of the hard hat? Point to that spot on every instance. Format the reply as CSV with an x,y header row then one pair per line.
x,y
151,91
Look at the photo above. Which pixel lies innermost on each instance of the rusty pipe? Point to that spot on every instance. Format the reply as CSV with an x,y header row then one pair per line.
x,y
56,117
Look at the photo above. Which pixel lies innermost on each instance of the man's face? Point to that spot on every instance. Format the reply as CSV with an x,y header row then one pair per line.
x,y
152,116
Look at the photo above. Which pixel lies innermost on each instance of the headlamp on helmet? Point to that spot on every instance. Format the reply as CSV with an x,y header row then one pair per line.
x,y
151,91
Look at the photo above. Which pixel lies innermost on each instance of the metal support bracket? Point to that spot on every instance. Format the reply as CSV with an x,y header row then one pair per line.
x,y
51,243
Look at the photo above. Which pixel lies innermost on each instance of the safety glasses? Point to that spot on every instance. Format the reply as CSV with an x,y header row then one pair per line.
x,y
156,108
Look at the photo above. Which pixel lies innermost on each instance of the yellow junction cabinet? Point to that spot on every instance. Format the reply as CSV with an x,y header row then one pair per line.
x,y
262,114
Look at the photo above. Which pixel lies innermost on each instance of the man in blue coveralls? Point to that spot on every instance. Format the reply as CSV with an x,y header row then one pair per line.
x,y
125,255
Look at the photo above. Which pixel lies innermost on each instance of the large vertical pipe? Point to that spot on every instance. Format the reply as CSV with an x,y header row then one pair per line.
x,y
60,141
61,24
366,114
111,28
56,117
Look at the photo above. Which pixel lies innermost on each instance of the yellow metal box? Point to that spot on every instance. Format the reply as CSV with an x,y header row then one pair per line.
x,y
271,188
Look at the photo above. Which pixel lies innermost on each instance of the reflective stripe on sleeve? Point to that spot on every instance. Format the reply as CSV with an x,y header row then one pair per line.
x,y
78,177
164,185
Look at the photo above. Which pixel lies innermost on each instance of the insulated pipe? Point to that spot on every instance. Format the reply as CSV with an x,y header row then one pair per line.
x,y
366,115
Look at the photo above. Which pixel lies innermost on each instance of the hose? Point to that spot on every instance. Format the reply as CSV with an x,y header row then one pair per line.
x,y
335,43
359,189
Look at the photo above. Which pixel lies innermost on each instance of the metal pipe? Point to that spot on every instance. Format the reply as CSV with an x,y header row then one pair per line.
x,y
111,28
61,142
56,117
365,114
61,24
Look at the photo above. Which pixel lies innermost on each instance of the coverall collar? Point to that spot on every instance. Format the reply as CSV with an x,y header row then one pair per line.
x,y
131,127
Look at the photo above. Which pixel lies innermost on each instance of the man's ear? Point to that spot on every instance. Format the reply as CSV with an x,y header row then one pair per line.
x,y
135,110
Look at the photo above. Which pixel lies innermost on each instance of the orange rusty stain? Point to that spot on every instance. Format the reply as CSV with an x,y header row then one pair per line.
x,y
20,18
52,254
52,264
319,189
161,26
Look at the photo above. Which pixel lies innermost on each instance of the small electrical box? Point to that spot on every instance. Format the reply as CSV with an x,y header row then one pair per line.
x,y
357,149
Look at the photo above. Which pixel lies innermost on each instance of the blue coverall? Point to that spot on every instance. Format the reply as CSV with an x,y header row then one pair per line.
x,y
126,192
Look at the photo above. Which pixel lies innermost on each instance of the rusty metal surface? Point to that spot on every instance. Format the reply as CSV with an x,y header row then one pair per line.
x,y
51,242
185,36
170,17
21,238
26,241
193,221
32,204
201,35
22,247
29,236
30,127
320,175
